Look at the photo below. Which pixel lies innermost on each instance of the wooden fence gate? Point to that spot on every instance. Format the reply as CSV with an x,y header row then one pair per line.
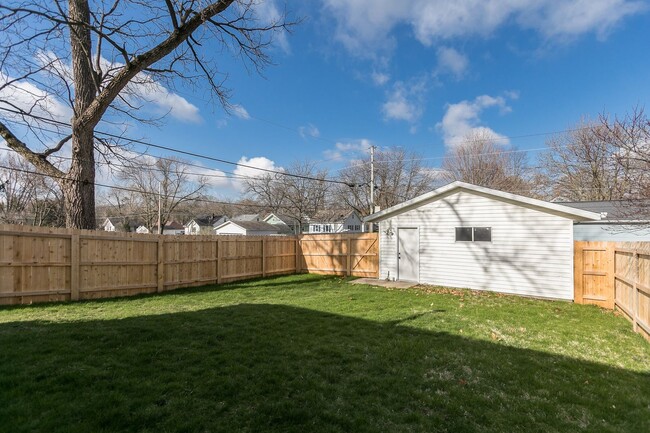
x,y
615,275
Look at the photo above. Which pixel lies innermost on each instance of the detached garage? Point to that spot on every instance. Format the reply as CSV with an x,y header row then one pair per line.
x,y
467,236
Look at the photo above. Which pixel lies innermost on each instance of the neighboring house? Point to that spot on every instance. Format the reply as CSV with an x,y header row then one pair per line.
x,y
621,220
289,224
204,225
120,224
467,236
247,217
170,228
334,223
248,228
142,229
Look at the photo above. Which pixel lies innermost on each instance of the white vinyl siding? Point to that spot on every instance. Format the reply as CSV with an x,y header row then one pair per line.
x,y
531,252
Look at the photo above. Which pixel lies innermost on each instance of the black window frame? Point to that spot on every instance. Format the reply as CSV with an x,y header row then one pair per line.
x,y
460,230
487,230
471,231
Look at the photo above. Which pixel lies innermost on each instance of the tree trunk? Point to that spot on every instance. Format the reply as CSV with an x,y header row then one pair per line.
x,y
79,185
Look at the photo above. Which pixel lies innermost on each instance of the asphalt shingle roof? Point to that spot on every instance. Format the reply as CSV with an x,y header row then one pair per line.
x,y
617,210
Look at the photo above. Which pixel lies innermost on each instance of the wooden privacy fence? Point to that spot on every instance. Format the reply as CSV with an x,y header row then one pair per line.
x,y
45,264
615,275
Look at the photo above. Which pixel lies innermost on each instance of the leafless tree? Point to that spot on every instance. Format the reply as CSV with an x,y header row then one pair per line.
x,y
300,196
105,57
399,176
167,180
630,137
305,196
25,198
267,190
584,164
479,160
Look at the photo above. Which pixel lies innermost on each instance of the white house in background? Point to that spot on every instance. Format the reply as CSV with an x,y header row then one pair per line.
x,y
142,229
622,221
248,228
120,224
289,224
467,236
335,223
204,225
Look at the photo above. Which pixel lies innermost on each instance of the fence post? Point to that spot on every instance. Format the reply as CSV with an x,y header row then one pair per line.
x,y
610,282
160,270
635,294
349,256
578,267
219,260
298,254
263,257
74,267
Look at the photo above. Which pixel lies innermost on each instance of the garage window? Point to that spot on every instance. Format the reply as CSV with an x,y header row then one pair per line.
x,y
473,234
463,234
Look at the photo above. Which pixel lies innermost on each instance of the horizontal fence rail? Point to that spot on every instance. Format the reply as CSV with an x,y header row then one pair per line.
x,y
46,264
615,275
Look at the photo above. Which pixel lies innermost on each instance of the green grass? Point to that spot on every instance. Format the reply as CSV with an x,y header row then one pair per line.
x,y
316,354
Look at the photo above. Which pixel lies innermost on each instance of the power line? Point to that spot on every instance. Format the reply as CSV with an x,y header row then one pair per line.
x,y
182,152
329,141
121,188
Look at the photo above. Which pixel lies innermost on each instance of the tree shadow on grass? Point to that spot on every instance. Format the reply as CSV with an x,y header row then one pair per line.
x,y
285,369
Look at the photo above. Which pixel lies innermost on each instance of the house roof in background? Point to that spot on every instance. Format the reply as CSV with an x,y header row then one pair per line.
x,y
246,217
170,225
288,220
540,205
253,226
615,210
206,221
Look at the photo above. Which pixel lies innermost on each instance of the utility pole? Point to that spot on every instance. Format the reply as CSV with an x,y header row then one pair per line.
x,y
372,183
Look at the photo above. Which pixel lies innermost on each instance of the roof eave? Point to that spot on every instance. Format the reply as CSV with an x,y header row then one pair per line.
x,y
576,214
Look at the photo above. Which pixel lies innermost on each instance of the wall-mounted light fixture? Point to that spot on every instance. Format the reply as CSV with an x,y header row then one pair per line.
x,y
389,231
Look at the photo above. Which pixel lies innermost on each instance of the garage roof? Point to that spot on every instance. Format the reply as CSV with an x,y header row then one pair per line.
x,y
540,205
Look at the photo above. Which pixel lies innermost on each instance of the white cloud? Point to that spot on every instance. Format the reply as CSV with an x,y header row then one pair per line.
x,y
240,111
268,13
309,130
250,171
405,101
463,118
451,61
23,95
151,91
568,19
348,149
366,25
143,87
379,78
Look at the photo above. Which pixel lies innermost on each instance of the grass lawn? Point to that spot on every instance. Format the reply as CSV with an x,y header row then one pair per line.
x,y
316,354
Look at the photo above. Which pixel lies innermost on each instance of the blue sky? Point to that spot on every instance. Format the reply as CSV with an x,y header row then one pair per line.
x,y
418,74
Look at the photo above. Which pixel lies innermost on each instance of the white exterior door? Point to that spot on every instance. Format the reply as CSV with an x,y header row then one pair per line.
x,y
408,254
